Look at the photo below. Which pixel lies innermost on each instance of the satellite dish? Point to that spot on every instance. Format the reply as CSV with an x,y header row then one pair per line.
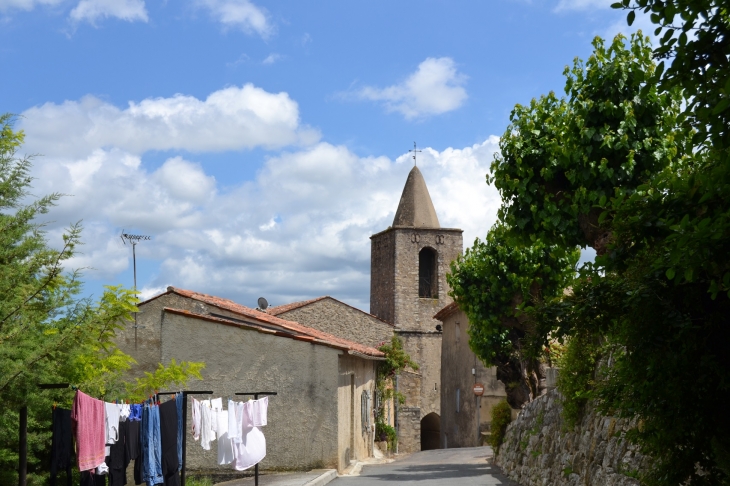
x,y
263,304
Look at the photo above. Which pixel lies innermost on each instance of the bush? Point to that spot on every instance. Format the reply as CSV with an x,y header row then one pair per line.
x,y
501,417
384,431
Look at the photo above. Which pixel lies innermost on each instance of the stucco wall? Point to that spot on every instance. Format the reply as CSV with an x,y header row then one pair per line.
x,y
341,320
355,438
302,429
462,428
538,449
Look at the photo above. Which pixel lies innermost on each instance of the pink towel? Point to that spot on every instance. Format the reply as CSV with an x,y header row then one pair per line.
x,y
88,420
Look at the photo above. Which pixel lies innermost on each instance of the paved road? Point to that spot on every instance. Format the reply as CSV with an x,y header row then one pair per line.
x,y
446,467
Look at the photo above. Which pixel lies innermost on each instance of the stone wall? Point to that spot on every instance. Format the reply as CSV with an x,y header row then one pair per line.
x,y
422,388
382,275
341,320
537,451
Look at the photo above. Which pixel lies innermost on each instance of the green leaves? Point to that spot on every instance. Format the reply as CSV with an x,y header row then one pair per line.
x,y
560,158
496,282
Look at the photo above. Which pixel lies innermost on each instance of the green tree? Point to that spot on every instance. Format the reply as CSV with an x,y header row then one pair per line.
x,y
561,160
48,332
622,169
495,283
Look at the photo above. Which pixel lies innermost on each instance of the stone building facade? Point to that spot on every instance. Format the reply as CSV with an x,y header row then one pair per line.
x,y
338,318
465,417
322,415
409,262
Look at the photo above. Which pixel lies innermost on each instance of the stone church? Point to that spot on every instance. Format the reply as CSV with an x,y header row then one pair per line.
x,y
409,263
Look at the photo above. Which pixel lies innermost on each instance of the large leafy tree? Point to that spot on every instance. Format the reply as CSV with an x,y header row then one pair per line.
x,y
622,166
496,282
48,332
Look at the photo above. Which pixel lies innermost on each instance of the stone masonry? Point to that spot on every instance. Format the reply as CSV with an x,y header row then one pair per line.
x,y
335,317
538,452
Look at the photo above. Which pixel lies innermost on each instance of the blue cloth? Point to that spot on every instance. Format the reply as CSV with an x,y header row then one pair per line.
x,y
135,412
179,403
151,445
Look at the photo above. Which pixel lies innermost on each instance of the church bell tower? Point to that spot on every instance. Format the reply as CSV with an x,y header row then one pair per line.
x,y
408,266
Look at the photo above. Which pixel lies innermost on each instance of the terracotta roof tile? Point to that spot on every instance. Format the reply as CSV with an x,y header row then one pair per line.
x,y
229,305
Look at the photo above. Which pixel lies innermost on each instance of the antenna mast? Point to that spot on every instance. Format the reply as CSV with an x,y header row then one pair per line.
x,y
415,151
134,239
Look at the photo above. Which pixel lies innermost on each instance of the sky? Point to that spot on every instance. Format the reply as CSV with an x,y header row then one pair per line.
x,y
260,144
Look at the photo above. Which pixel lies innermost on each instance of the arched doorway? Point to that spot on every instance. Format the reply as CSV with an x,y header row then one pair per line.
x,y
430,432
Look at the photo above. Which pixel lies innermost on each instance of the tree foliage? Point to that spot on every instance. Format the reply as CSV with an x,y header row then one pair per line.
x,y
561,160
634,163
495,283
48,332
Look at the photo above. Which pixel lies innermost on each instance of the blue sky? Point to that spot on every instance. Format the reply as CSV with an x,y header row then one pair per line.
x,y
261,143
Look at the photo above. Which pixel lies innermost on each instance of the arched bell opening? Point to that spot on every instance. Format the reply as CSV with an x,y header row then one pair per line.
x,y
428,273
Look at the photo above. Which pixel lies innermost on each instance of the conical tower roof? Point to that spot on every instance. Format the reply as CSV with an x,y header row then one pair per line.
x,y
415,208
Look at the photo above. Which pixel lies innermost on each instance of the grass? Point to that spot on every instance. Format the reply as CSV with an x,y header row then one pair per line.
x,y
199,481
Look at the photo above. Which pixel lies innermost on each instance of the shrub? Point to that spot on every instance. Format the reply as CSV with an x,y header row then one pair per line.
x,y
501,417
384,431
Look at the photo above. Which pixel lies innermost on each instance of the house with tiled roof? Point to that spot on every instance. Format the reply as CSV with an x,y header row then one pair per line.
x,y
338,318
322,415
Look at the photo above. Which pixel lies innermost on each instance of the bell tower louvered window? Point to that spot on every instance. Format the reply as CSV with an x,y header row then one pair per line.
x,y
427,273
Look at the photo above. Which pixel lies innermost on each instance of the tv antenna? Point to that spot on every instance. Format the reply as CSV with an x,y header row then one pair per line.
x,y
415,151
134,239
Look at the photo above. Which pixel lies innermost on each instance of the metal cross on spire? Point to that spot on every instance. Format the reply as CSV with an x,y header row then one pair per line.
x,y
415,151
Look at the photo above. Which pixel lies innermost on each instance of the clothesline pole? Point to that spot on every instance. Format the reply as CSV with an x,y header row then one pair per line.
x,y
23,452
256,467
185,426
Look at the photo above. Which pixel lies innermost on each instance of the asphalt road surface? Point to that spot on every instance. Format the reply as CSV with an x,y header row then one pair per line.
x,y
444,467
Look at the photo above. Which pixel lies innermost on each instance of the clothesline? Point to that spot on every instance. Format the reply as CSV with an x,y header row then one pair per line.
x,y
151,407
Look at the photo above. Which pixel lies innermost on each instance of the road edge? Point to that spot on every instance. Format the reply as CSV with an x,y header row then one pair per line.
x,y
324,478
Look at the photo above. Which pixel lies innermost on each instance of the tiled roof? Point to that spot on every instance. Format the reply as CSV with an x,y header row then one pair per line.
x,y
304,331
281,309
446,311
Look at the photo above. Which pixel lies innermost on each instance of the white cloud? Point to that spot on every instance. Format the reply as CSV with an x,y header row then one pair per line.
x,y
271,58
583,5
229,119
436,87
300,229
25,4
93,10
240,14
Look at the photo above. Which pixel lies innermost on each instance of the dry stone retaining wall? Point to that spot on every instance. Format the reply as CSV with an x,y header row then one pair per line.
x,y
538,452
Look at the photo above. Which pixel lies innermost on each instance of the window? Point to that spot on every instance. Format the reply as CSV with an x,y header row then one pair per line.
x,y
457,332
458,399
365,411
427,273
